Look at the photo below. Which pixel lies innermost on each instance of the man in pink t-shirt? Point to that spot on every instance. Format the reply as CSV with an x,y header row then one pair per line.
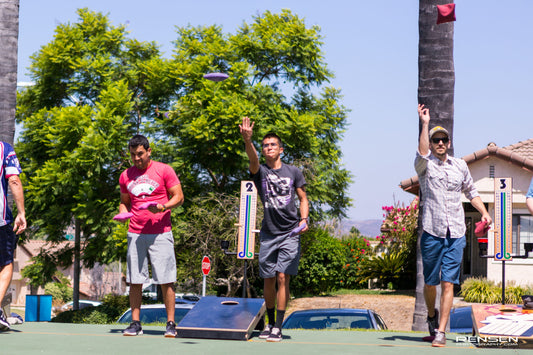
x,y
149,190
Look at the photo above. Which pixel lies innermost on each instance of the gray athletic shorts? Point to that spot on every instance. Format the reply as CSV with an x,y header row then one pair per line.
x,y
278,254
160,249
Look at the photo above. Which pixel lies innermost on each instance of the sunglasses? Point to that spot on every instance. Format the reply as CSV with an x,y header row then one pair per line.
x,y
266,145
443,139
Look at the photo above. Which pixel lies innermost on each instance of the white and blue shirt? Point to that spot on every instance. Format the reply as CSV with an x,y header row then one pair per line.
x,y
9,165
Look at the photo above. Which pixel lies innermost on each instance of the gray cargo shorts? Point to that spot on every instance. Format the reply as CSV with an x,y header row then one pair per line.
x,y
160,249
278,254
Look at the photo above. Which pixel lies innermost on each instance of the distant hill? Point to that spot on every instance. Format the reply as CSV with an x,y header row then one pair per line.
x,y
369,228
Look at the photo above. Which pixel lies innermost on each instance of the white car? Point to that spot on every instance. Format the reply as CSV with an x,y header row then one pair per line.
x,y
152,313
82,303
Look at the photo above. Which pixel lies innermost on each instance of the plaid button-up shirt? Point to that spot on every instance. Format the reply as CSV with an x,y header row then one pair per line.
x,y
441,186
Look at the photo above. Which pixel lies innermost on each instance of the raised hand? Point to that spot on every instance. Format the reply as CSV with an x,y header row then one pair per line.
x,y
246,129
423,113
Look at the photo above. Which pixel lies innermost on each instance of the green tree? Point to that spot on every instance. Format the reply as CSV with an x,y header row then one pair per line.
x,y
94,88
275,65
199,231
87,101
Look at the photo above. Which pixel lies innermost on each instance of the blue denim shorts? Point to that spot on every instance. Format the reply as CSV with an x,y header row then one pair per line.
x,y
441,258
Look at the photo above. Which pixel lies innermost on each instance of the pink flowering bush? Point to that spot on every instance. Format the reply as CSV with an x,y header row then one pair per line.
x,y
399,227
395,263
356,250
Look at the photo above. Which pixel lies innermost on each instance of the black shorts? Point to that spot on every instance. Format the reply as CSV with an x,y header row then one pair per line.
x,y
8,244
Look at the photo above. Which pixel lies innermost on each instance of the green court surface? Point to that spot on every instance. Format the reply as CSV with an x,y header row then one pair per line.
x,y
62,338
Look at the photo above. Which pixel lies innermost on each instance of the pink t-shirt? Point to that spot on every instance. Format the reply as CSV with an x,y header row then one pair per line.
x,y
148,185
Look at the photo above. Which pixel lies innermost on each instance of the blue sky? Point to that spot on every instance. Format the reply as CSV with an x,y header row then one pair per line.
x,y
372,47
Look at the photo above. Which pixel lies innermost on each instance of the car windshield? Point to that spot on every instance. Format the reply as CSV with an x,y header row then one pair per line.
x,y
153,315
331,321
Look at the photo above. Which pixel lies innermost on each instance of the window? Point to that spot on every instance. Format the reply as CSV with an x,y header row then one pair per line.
x,y
522,232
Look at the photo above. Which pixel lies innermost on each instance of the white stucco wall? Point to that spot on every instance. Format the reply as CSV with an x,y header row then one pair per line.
x,y
519,271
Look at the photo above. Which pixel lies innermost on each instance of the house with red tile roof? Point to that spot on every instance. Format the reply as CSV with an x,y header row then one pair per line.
x,y
486,166
94,283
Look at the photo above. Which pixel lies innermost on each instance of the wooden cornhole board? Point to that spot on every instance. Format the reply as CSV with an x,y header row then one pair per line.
x,y
507,329
222,318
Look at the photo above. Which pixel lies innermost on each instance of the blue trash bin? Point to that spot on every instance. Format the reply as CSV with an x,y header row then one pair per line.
x,y
38,308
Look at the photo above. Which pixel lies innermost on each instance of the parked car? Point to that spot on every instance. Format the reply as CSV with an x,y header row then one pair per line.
x,y
461,320
334,318
82,303
151,313
187,298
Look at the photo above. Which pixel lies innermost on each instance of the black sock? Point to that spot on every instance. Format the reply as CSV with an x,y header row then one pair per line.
x,y
271,313
279,318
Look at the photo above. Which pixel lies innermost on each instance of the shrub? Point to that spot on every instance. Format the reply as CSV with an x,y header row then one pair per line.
x,y
108,312
61,292
356,250
481,290
386,268
321,263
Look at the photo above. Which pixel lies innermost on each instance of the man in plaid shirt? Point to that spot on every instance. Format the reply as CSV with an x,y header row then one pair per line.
x,y
443,179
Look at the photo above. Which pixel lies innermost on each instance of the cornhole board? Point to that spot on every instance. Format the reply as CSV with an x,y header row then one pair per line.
x,y
504,330
222,318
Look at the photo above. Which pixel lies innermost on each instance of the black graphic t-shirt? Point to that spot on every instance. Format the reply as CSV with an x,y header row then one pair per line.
x,y
277,190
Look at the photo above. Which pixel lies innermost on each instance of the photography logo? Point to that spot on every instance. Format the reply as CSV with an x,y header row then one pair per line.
x,y
488,341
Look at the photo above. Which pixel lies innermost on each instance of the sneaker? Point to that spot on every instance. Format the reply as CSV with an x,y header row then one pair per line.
x,y
134,329
171,330
266,332
440,340
433,323
275,335
4,324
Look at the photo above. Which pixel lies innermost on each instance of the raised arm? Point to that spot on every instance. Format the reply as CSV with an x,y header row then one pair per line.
x,y
423,141
246,130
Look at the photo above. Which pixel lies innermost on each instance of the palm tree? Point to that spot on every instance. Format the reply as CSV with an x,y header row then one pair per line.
x,y
436,83
9,27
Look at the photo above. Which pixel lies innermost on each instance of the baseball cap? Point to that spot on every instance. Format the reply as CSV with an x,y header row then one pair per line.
x,y
438,129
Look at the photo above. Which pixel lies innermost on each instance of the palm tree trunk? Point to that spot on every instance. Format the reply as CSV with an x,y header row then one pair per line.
x,y
436,85
9,29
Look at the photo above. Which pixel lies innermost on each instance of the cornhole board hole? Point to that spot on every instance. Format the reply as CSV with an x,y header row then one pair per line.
x,y
222,318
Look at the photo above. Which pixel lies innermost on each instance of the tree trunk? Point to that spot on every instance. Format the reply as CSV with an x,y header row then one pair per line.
x,y
436,85
9,29
76,278
436,72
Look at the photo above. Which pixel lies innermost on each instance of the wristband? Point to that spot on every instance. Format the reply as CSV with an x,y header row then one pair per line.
x,y
164,208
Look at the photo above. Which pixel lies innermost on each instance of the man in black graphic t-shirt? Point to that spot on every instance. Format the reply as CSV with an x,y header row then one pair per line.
x,y
278,185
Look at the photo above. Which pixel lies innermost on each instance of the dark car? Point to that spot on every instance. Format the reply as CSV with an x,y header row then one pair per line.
x,y
152,313
461,320
334,318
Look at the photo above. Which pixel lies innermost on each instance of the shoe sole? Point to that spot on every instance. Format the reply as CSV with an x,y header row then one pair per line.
x,y
170,335
132,334
263,336
438,345
273,340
